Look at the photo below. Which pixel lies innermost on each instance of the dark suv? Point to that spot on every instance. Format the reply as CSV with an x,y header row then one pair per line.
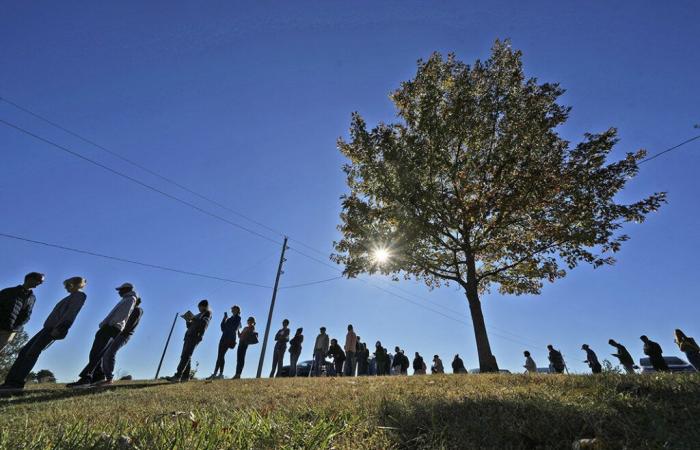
x,y
674,363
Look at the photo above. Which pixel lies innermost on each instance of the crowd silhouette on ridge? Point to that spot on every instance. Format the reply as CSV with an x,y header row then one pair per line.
x,y
350,359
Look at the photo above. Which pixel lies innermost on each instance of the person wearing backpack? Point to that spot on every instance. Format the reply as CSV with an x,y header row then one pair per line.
x,y
248,336
295,351
688,346
556,360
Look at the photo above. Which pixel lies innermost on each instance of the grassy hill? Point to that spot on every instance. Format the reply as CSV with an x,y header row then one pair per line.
x,y
447,411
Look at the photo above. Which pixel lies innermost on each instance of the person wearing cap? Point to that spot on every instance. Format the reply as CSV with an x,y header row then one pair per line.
x,y
592,359
109,328
281,339
55,328
104,373
196,326
246,337
320,350
229,332
16,304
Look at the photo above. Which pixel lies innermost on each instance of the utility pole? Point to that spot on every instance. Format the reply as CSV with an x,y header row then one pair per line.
x,y
166,347
272,307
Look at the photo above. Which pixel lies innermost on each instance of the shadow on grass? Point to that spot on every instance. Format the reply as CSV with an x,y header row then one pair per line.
x,y
47,395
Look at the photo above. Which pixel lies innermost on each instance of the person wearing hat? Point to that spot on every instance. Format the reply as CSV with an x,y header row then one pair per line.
x,y
591,359
55,327
196,326
321,346
109,328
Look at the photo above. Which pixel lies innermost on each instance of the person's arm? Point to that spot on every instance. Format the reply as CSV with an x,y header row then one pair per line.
x,y
75,304
223,323
8,297
120,313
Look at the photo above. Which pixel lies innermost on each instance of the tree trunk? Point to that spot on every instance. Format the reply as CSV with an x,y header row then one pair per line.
x,y
487,362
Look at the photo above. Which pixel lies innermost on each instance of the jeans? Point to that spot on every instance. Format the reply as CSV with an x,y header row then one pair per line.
x,y
278,358
224,346
183,368
319,361
5,338
350,364
27,357
109,357
293,358
338,367
99,345
240,358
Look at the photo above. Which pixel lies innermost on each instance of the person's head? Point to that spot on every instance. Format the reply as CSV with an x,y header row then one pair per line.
x,y
236,310
125,288
397,349
526,353
334,341
584,347
550,347
33,279
457,356
323,330
203,305
74,284
285,323
644,338
417,355
680,336
251,321
300,330
378,344
349,327
612,342
435,357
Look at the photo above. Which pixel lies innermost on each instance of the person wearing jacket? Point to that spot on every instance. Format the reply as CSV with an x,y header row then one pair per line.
x,y
556,360
418,365
688,346
295,351
16,304
655,353
281,339
229,332
458,365
592,359
362,359
320,351
196,326
104,373
437,365
109,328
246,337
624,356
350,351
381,358
55,327
338,356
530,366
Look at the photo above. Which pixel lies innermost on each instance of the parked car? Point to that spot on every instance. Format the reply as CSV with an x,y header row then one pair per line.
x,y
674,363
543,370
304,368
475,371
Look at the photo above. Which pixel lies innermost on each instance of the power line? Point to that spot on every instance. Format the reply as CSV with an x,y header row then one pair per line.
x,y
310,283
131,261
656,155
135,180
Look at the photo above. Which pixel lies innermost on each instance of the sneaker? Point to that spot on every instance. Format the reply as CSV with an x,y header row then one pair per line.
x,y
81,383
220,376
211,377
102,383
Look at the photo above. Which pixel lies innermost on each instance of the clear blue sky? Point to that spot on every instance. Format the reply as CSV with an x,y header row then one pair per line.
x,y
244,102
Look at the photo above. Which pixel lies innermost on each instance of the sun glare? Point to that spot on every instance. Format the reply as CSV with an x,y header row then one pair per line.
x,y
381,255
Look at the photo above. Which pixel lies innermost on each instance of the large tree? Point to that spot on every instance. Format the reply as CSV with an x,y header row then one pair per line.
x,y
474,185
10,352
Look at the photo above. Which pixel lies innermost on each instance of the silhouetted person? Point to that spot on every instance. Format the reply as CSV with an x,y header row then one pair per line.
x,y
16,304
688,346
196,326
556,360
623,356
381,359
281,339
418,365
338,355
655,354
363,360
248,336
592,359
295,351
530,366
104,373
405,363
350,350
397,362
320,351
458,365
109,328
437,366
229,334
55,328
358,349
